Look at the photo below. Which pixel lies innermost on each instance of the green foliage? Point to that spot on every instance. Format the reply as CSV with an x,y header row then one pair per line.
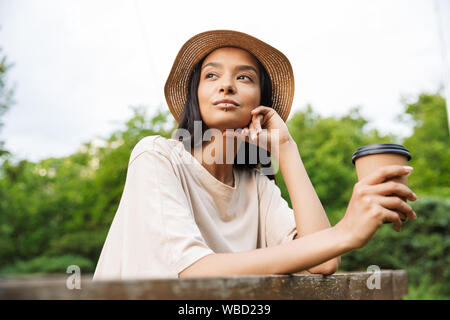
x,y
65,206
326,146
82,243
426,290
422,247
109,178
45,265
430,145
57,212
6,95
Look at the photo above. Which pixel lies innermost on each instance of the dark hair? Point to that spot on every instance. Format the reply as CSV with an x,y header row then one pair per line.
x,y
191,113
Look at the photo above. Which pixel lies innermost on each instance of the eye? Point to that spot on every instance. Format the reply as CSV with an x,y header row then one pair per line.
x,y
248,77
208,75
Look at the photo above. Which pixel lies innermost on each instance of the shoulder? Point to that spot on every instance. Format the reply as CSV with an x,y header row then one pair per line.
x,y
265,184
260,177
155,144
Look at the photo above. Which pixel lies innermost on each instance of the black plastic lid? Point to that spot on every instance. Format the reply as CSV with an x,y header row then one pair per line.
x,y
380,148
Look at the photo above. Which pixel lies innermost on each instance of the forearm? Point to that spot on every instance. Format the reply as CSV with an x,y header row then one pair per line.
x,y
309,213
291,257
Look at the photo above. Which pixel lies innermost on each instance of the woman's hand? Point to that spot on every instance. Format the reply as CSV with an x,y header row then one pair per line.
x,y
371,205
261,129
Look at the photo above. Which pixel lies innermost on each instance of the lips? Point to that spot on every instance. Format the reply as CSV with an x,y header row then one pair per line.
x,y
226,103
226,106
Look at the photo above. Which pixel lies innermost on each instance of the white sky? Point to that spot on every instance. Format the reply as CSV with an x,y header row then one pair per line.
x,y
80,64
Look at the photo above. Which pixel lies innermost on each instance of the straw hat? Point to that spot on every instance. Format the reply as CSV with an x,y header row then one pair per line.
x,y
196,48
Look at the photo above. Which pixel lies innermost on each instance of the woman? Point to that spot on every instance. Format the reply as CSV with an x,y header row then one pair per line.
x,y
191,208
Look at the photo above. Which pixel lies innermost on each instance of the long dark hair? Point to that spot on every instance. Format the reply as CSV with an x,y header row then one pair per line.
x,y
191,113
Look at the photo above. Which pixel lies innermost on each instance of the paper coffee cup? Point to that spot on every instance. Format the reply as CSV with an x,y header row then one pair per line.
x,y
369,158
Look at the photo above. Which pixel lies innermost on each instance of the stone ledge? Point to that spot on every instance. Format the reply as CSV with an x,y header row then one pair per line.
x,y
339,286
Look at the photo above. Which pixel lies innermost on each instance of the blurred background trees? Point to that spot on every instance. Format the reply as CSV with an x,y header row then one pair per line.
x,y
430,142
6,95
56,212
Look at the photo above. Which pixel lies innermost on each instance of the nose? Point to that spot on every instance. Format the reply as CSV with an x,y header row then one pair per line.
x,y
227,86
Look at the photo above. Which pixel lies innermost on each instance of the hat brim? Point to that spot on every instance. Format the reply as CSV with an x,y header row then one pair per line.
x,y
196,48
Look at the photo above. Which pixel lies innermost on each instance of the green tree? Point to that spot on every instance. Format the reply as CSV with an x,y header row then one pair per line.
x,y
422,249
57,212
429,145
61,208
6,95
326,146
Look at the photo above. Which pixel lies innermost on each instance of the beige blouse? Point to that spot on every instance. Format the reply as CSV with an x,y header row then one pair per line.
x,y
174,212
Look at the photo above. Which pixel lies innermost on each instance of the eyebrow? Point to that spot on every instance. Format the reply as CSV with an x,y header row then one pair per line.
x,y
240,68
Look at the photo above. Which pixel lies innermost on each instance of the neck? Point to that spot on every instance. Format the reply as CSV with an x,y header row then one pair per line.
x,y
213,157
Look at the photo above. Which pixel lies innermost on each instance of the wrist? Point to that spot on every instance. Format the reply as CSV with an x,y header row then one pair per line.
x,y
284,144
343,238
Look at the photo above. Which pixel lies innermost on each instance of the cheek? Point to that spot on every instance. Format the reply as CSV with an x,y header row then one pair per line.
x,y
204,98
251,96
203,94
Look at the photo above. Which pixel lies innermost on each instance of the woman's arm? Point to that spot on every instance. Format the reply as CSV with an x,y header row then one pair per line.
x,y
319,246
366,212
291,257
310,216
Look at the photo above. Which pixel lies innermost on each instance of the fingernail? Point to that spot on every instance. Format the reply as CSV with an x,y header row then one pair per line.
x,y
408,167
415,196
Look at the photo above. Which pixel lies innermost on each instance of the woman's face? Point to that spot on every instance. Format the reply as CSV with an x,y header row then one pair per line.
x,y
232,74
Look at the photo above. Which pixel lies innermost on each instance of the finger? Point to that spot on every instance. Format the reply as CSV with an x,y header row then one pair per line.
x,y
402,216
386,172
261,109
391,216
392,188
239,132
257,119
398,205
252,132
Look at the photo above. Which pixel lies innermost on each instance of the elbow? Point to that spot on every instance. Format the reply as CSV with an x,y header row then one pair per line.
x,y
203,267
323,270
332,268
327,268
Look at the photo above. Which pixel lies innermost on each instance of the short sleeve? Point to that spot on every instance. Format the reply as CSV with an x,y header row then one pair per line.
x,y
277,216
162,211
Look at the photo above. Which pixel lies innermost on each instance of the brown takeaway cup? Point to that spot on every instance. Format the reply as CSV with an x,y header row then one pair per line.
x,y
369,158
